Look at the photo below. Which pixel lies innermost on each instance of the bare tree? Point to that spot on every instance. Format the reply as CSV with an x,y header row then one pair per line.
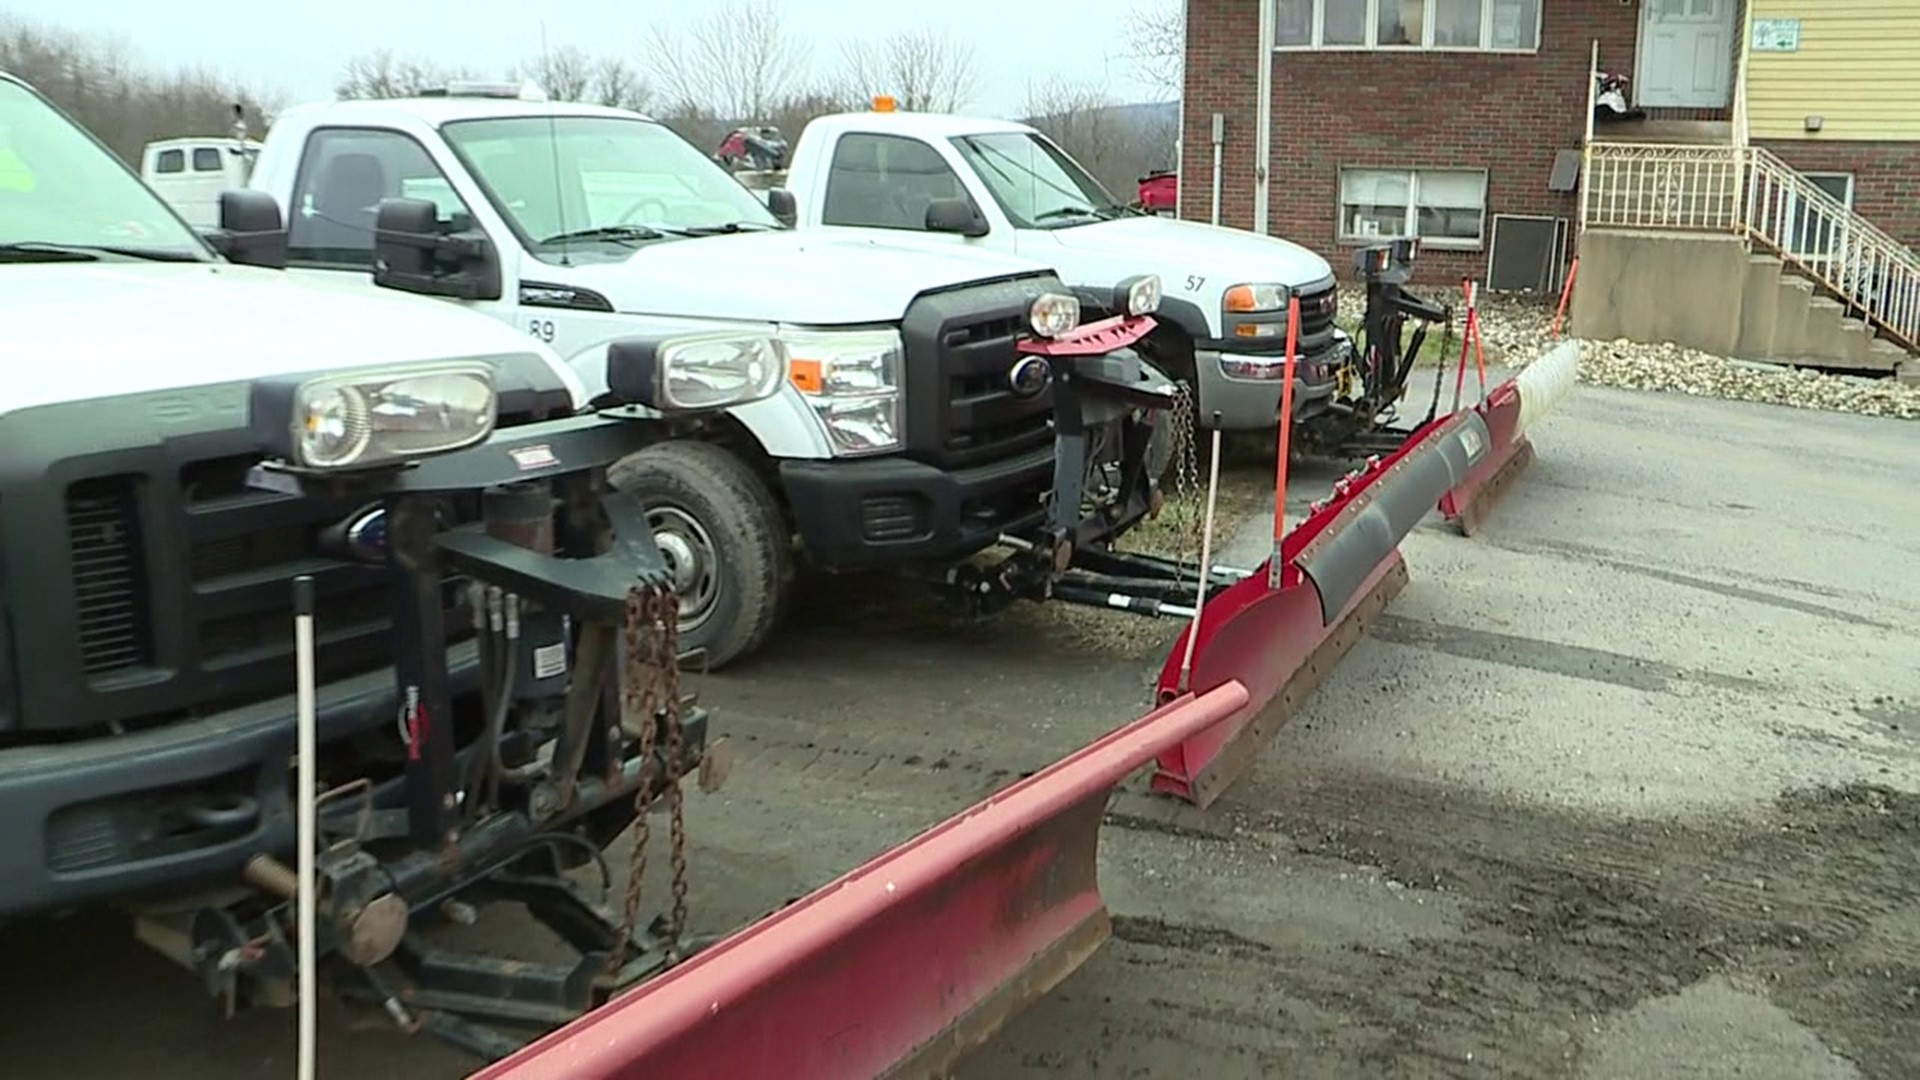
x,y
736,60
382,74
619,86
94,80
565,73
923,70
1079,117
1157,41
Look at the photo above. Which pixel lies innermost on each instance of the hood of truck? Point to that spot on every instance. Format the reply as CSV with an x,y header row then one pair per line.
x,y
1178,249
791,276
89,330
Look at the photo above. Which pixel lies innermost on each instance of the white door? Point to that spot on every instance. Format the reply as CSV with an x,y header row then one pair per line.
x,y
1685,55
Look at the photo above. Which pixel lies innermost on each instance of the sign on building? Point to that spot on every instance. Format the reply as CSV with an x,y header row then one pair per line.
x,y
1776,35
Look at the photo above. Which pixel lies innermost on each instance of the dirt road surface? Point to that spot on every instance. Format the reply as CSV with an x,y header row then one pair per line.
x,y
1624,787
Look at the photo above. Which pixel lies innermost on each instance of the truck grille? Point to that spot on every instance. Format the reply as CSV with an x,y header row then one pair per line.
x,y
960,410
111,608
181,594
241,577
1317,310
146,583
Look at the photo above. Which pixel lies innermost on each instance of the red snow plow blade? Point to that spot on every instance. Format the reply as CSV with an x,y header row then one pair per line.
x,y
901,966
1340,567
1508,411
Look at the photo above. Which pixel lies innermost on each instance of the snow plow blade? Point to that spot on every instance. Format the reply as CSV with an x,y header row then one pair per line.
x,y
1508,411
899,967
1340,568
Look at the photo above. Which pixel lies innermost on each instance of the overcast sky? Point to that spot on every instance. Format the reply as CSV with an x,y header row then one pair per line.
x,y
299,48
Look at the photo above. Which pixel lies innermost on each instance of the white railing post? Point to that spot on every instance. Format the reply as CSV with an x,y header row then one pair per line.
x,y
1586,143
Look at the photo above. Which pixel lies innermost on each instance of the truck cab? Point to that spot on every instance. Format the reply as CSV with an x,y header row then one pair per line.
x,y
146,633
1223,316
900,441
190,173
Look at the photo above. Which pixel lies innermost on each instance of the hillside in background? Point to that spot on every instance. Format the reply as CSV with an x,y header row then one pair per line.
x,y
1119,144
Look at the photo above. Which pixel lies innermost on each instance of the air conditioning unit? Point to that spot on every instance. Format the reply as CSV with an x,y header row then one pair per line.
x,y
1528,253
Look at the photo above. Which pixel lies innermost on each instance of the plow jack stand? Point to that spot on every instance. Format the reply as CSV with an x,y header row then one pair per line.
x,y
1508,412
899,967
1340,568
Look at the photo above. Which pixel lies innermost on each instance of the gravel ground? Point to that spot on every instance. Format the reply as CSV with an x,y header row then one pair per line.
x,y
1625,787
1515,329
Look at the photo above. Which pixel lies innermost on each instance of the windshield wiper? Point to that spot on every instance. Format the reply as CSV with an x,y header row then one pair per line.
x,y
729,227
607,232
1069,211
35,251
44,251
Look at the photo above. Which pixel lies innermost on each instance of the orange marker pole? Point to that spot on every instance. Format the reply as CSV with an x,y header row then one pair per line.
x,y
1473,328
1466,345
1566,293
1275,563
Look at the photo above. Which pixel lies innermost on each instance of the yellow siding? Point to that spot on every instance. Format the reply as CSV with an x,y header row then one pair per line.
x,y
1858,66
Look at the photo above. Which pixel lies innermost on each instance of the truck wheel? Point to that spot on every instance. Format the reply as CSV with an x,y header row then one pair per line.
x,y
724,538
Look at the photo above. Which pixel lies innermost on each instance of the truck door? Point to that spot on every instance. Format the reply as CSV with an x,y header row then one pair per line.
x,y
344,174
884,183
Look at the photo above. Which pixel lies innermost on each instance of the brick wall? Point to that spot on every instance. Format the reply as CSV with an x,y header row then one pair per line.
x,y
1504,113
1886,177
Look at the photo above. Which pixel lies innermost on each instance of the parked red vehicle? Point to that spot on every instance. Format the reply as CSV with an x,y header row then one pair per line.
x,y
1160,192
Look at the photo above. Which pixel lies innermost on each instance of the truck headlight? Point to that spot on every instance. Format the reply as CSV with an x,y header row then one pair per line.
x,y
1138,295
373,416
1053,314
852,380
1242,299
695,372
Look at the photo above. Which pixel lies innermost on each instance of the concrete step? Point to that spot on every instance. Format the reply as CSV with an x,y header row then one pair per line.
x,y
1759,307
1816,340
1884,355
1851,339
1908,372
1791,301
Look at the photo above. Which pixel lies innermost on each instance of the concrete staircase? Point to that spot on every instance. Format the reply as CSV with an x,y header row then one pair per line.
x,y
1785,319
1693,241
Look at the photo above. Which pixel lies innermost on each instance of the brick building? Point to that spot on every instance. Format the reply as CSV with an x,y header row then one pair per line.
x,y
1432,116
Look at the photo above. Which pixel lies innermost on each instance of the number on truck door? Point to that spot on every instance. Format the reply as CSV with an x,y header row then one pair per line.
x,y
541,328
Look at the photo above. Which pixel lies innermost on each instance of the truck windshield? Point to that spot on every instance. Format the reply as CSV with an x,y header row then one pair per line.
x,y
604,180
64,197
1035,183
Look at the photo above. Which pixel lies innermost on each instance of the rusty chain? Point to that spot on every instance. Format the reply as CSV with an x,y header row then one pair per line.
x,y
1188,497
650,688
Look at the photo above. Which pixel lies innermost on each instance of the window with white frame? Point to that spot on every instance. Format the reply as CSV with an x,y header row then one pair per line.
x,y
1445,208
1475,25
1811,232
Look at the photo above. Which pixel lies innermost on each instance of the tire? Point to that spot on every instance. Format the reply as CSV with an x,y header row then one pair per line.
x,y
724,536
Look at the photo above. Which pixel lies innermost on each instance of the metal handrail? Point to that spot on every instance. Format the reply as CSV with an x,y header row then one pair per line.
x,y
1750,192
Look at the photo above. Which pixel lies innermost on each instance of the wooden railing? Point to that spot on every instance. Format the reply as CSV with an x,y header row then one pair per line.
x,y
1751,193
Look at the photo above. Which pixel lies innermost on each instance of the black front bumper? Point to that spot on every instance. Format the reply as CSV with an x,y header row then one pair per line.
x,y
78,821
894,512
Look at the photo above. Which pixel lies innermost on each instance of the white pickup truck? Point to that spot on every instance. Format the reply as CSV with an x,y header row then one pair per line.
x,y
909,435
962,184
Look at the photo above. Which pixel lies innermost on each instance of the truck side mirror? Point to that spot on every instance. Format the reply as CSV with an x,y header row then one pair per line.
x,y
956,216
781,202
414,252
250,231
